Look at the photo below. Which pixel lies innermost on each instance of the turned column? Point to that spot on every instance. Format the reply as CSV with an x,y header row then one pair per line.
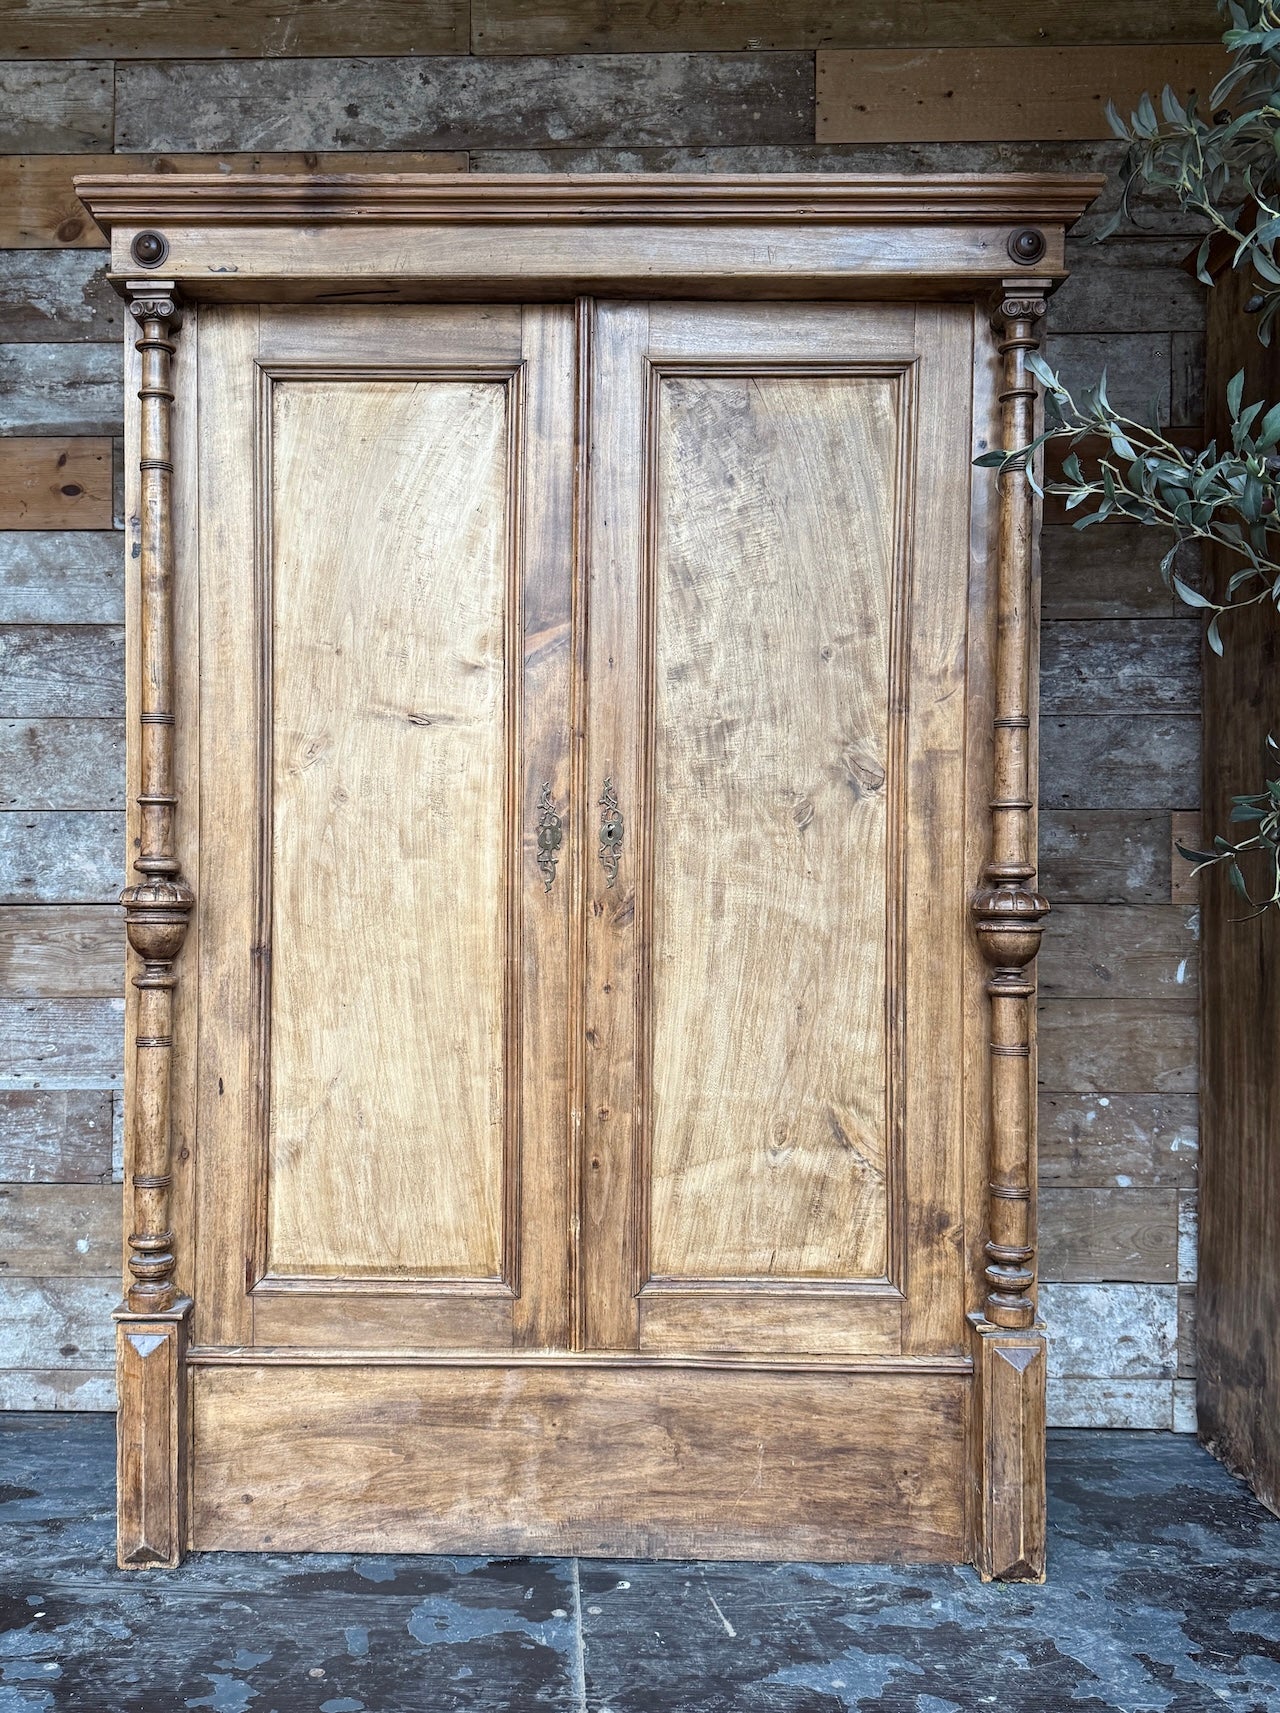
x,y
151,1323
1009,1377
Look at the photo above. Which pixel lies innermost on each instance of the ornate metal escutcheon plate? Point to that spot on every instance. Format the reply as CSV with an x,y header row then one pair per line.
x,y
611,830
550,837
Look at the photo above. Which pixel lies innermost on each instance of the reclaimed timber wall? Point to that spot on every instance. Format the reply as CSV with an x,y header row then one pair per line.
x,y
600,85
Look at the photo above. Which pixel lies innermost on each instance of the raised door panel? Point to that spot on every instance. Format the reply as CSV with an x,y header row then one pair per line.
x,y
758,1155
385,630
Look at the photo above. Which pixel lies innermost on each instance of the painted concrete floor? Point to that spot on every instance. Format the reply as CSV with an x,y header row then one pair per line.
x,y
1164,1593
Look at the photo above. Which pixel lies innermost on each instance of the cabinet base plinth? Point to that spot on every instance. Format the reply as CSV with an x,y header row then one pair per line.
x,y
151,1523
1007,1458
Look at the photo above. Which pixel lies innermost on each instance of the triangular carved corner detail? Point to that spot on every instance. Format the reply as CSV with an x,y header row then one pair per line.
x,y
1019,1356
146,1342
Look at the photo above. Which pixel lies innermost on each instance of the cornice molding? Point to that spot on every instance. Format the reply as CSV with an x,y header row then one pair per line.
x,y
569,199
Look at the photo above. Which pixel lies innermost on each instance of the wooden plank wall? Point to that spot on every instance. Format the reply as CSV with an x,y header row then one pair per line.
x,y
599,85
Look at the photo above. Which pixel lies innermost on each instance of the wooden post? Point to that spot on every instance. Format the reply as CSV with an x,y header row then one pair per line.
x,y
1008,911
151,1323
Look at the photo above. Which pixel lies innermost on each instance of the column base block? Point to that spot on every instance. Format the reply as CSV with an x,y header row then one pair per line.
x,y
151,1437
1007,1508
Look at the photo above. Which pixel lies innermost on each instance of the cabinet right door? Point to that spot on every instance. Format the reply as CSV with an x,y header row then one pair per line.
x,y
775,944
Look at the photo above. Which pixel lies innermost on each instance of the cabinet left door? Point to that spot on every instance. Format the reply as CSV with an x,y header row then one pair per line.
x,y
385,565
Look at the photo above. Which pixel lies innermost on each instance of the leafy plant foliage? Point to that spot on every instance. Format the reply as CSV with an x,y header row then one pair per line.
x,y
1223,164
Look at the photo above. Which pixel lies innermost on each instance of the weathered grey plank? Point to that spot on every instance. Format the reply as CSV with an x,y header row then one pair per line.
x,y
571,156
1109,573
1120,951
33,1389
59,1231
1089,665
1104,856
1126,1045
56,295
1187,1332
61,764
49,107
57,1323
61,951
1138,368
1075,1402
69,576
61,1043
1109,1234
61,389
458,102
57,857
1119,761
1188,1236
1107,1332
55,1136
1185,1417
72,671
182,28
1126,299
1090,1140
637,26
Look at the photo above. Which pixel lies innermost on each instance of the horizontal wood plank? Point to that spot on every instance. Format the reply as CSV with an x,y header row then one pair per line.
x,y
1129,1045
62,576
1139,369
61,764
1102,295
969,93
637,26
90,29
1108,573
57,295
673,1463
1091,1140
54,1389
1073,1401
55,484
1119,761
1186,1332
72,671
59,1231
1104,856
61,1043
39,208
1111,1331
47,105
1109,1234
61,857
58,1323
61,389
61,951
1089,665
55,1136
459,102
1119,951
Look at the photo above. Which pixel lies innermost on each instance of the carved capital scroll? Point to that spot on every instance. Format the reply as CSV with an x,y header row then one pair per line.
x,y
1007,909
157,907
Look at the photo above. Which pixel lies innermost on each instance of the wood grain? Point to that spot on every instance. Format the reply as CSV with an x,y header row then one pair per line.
x,y
1109,1233
39,208
1120,951
390,616
460,102
61,1043
52,1324
1097,664
49,105
1111,573
61,857
974,93
55,483
633,26
1120,761
519,1461
1105,856
1129,1045
74,950
238,29
52,1136
62,576
1127,1139
72,671
1238,1383
769,1136
60,390
68,1233
52,295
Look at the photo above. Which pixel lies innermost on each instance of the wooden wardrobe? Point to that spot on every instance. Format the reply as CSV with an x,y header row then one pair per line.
x,y
581,747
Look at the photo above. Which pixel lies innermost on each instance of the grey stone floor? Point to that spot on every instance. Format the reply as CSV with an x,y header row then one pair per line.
x,y
1164,1593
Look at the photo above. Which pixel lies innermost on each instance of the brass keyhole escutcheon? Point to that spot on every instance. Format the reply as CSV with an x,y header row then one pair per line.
x,y
550,837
